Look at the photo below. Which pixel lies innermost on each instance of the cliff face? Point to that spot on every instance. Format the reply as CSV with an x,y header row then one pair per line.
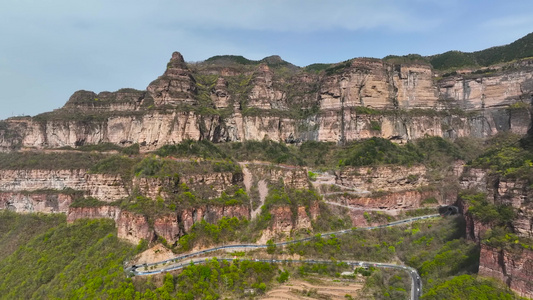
x,y
35,202
134,227
285,221
206,185
105,211
515,192
105,187
382,178
514,267
511,265
260,102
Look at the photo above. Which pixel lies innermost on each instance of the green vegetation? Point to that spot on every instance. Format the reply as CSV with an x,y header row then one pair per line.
x,y
506,156
206,234
263,150
469,287
316,68
406,59
487,212
115,164
230,59
48,161
190,148
433,151
522,48
56,260
17,229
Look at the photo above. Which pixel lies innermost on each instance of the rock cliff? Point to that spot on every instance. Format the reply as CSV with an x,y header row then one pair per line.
x,y
353,100
104,187
171,226
514,267
44,202
513,264
515,192
286,221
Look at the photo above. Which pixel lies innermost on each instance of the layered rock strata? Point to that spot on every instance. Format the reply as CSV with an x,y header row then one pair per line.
x,y
260,103
105,187
35,202
511,265
285,221
514,267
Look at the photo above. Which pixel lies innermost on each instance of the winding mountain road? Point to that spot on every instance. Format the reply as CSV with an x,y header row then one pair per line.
x,y
174,264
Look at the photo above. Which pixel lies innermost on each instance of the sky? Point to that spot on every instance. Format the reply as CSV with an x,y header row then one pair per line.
x,y
50,49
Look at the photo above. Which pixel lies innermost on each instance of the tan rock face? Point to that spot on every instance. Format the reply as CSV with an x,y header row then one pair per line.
x,y
210,185
487,91
173,226
105,211
134,227
285,221
220,95
333,97
35,202
513,267
507,191
392,201
102,186
384,178
168,228
175,86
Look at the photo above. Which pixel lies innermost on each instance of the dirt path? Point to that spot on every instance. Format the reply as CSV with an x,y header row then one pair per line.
x,y
392,211
262,187
298,289
248,181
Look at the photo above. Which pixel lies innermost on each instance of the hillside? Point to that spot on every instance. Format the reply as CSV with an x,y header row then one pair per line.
x,y
236,151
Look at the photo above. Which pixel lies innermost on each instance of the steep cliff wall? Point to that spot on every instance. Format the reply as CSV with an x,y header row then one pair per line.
x,y
292,176
23,202
260,102
515,192
382,178
171,226
514,267
102,186
512,264
285,221
96,212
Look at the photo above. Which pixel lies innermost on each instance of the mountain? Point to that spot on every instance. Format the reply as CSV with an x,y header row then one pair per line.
x,y
231,150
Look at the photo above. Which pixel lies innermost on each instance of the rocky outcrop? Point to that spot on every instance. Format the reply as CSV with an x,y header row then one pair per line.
x,y
477,92
286,221
391,201
500,190
134,227
290,107
175,86
382,178
122,100
105,187
205,185
171,226
512,264
95,212
292,176
24,202
514,267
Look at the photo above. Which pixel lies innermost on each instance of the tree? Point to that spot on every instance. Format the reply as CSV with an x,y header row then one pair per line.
x,y
271,247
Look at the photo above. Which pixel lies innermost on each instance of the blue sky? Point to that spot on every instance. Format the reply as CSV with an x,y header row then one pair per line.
x,y
50,49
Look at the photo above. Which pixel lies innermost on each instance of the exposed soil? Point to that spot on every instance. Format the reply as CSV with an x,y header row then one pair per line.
x,y
299,289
